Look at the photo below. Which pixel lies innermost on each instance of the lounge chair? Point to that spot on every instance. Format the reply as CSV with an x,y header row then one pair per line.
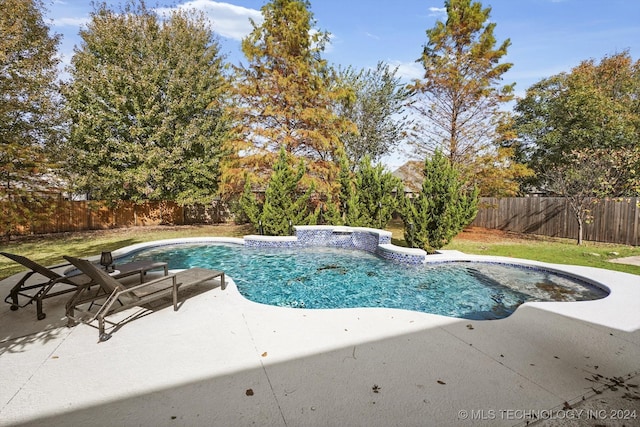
x,y
130,296
40,291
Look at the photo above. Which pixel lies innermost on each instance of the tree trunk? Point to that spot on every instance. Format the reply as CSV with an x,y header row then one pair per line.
x,y
579,231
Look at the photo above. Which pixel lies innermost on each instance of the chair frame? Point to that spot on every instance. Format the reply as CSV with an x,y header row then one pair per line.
x,y
129,297
43,290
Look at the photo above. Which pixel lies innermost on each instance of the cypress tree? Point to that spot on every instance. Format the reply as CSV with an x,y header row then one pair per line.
x,y
374,201
441,210
346,196
284,96
330,213
249,206
283,204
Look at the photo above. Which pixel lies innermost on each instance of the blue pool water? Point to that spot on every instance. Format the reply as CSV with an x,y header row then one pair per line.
x,y
340,278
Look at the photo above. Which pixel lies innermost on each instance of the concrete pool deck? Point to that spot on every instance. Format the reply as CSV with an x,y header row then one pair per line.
x,y
222,360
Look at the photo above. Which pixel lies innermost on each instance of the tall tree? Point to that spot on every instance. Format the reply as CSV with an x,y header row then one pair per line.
x,y
595,106
147,104
374,101
283,96
442,208
459,98
30,124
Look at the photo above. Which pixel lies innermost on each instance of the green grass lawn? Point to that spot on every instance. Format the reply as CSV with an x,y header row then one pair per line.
x,y
538,248
589,254
48,250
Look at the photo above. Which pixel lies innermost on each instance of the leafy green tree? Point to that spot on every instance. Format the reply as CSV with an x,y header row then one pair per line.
x,y
459,98
580,132
147,102
594,107
374,101
30,124
442,208
589,174
285,204
284,97
374,199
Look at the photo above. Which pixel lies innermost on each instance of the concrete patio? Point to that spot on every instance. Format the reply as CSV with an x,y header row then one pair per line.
x,y
222,360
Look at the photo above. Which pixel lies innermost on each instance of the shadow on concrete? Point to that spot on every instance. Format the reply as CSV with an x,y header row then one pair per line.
x,y
434,376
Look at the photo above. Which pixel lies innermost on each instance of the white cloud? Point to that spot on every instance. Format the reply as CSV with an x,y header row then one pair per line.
x,y
69,22
437,11
228,20
408,71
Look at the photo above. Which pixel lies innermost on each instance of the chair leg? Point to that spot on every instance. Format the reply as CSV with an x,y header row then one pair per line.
x,y
39,297
102,335
13,294
70,320
40,314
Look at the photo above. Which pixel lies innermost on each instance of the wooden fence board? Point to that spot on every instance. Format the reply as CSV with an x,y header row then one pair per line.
x,y
614,220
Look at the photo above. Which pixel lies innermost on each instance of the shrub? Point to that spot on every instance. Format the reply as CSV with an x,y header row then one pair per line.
x,y
442,208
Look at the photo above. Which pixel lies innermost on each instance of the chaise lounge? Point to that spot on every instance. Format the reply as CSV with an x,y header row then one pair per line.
x,y
40,291
128,297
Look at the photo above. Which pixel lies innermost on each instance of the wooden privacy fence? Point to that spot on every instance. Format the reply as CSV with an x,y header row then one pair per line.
x,y
65,215
57,215
613,220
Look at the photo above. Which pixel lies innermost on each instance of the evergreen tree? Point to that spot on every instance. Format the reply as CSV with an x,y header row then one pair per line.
x,y
249,206
330,213
284,205
374,197
346,194
442,208
368,196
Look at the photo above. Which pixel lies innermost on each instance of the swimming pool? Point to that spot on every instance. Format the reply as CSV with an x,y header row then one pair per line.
x,y
326,277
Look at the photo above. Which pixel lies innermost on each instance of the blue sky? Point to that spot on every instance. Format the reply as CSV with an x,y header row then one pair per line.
x,y
547,36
